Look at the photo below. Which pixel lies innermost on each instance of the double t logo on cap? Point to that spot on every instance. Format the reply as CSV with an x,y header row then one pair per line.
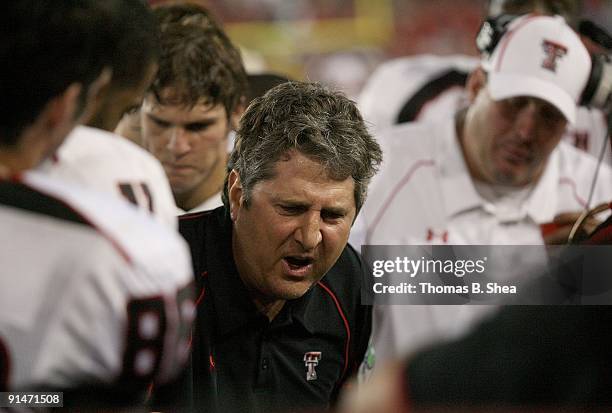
x,y
554,51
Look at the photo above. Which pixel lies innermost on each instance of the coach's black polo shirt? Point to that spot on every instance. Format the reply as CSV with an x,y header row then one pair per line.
x,y
243,362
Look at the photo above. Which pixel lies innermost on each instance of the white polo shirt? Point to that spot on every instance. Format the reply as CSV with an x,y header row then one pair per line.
x,y
429,87
213,202
424,194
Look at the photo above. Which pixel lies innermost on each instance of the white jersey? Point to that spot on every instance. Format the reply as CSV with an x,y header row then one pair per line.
x,y
213,202
430,87
109,163
425,195
92,292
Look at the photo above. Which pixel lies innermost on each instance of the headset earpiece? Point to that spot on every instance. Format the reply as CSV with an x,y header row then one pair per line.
x,y
491,31
598,90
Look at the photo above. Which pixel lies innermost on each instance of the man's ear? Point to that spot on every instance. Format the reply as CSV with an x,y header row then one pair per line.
x,y
96,93
476,81
234,189
237,113
61,109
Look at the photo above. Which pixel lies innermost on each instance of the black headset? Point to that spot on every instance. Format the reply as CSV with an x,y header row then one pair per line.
x,y
596,94
598,90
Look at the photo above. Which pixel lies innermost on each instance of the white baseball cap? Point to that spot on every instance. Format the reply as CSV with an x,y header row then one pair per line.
x,y
540,56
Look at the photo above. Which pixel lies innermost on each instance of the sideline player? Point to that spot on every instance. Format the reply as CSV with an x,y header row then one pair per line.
x,y
95,299
491,175
96,158
429,87
191,108
130,125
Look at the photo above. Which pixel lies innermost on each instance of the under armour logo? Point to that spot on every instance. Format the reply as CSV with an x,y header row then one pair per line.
x,y
554,51
311,360
431,235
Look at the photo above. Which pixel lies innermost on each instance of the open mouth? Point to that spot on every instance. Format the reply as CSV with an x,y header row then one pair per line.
x,y
298,262
297,266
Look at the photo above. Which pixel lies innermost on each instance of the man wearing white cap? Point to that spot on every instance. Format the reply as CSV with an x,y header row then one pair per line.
x,y
430,87
492,175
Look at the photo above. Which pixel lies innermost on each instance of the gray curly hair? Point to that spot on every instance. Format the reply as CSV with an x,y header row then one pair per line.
x,y
320,123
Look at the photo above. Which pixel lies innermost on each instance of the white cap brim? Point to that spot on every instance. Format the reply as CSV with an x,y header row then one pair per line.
x,y
506,85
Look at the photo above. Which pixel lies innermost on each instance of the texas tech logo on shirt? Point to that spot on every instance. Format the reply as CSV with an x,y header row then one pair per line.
x,y
311,360
554,51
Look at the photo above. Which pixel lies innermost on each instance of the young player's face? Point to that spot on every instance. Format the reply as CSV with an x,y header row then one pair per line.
x,y
190,142
509,141
294,229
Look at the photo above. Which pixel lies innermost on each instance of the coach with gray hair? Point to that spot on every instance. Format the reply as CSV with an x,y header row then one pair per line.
x,y
280,321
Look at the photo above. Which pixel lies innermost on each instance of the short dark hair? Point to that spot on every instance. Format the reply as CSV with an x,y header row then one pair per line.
x,y
320,123
137,43
48,45
199,63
